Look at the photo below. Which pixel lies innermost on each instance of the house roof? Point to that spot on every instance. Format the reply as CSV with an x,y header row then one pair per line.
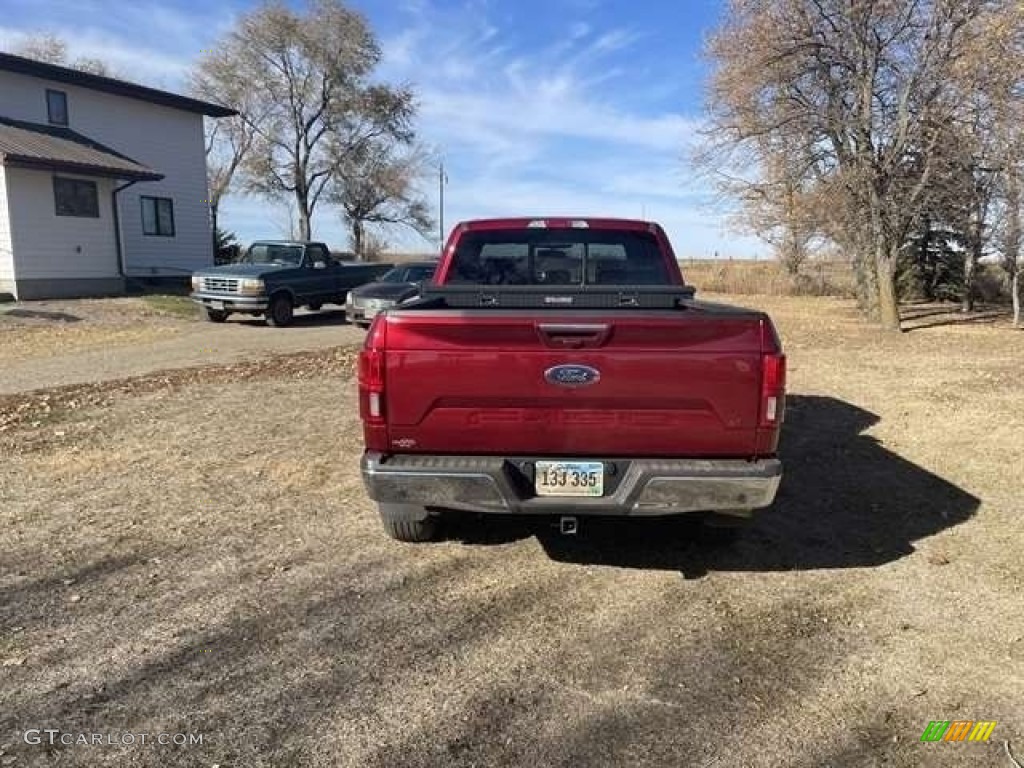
x,y
22,66
46,147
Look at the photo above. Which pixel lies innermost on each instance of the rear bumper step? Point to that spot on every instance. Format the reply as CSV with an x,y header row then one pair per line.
x,y
642,487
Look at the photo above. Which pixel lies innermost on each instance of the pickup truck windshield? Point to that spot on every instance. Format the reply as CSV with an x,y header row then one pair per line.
x,y
558,257
273,253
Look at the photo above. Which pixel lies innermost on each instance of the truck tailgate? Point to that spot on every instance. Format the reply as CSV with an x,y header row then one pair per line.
x,y
660,383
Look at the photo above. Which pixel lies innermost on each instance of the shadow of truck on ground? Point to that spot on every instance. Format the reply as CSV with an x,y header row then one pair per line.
x,y
845,502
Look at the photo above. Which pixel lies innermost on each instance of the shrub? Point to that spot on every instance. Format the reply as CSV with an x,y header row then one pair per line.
x,y
992,284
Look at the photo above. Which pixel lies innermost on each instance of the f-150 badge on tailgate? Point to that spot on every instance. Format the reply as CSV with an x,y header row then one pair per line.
x,y
572,375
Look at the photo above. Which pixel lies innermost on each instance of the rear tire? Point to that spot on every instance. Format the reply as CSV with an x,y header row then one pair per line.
x,y
215,315
404,523
280,312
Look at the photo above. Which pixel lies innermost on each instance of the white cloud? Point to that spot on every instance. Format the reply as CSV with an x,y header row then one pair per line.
x,y
554,109
147,42
399,50
614,40
578,30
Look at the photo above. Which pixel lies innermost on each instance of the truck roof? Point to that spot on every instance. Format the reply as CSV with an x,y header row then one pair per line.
x,y
594,222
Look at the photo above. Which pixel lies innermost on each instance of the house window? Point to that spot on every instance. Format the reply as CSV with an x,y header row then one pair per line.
x,y
76,197
158,216
57,107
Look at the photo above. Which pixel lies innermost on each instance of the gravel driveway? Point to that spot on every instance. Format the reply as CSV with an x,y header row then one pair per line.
x,y
51,344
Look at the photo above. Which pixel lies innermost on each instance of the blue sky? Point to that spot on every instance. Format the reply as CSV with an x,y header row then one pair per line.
x,y
573,107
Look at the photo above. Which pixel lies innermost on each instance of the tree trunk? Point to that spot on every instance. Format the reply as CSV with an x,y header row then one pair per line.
x,y
1011,246
305,232
303,208
926,265
213,232
358,238
970,268
885,258
867,286
888,307
1015,292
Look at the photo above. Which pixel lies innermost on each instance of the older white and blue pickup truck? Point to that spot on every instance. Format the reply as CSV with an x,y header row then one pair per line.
x,y
276,276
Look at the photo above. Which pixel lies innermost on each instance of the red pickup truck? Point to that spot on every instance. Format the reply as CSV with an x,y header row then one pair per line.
x,y
562,367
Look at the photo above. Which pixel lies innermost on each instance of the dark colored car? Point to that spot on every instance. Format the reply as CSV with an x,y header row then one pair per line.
x,y
400,283
276,276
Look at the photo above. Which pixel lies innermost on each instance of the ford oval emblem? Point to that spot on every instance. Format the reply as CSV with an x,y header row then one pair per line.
x,y
572,375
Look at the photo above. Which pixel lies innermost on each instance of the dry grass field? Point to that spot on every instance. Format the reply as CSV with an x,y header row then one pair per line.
x,y
768,278
192,552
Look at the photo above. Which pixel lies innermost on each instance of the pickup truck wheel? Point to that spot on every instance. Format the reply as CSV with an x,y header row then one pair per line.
x,y
403,523
215,315
280,311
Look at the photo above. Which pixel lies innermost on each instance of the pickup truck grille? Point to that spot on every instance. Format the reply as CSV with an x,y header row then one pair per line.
x,y
221,284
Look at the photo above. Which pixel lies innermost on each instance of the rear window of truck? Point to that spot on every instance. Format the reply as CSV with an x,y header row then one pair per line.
x,y
557,257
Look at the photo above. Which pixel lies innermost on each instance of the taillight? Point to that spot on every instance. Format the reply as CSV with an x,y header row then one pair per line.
x,y
773,389
773,378
371,374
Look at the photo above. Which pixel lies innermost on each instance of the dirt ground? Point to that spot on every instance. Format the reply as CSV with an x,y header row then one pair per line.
x,y
55,343
182,556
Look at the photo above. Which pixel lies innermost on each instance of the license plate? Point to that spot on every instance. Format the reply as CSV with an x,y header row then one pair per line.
x,y
569,478
215,304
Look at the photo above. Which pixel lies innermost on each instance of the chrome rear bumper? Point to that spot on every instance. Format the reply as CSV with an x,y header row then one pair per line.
x,y
637,487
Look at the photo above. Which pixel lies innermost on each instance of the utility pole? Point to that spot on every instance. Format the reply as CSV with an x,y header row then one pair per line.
x,y
442,179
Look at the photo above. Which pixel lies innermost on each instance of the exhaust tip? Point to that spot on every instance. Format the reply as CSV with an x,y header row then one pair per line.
x,y
568,525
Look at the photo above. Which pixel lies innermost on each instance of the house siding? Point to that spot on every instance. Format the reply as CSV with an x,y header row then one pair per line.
x,y
6,252
170,141
51,247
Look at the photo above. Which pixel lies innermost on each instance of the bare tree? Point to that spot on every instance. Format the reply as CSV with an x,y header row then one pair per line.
x,y
1011,238
987,137
229,140
1001,61
860,88
304,78
44,46
377,186
50,48
779,205
1006,46
1012,208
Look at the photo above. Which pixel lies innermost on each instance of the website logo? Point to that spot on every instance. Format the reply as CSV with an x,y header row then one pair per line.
x,y
958,730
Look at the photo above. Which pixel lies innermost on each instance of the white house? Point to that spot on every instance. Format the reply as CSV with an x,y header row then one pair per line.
x,y
100,180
